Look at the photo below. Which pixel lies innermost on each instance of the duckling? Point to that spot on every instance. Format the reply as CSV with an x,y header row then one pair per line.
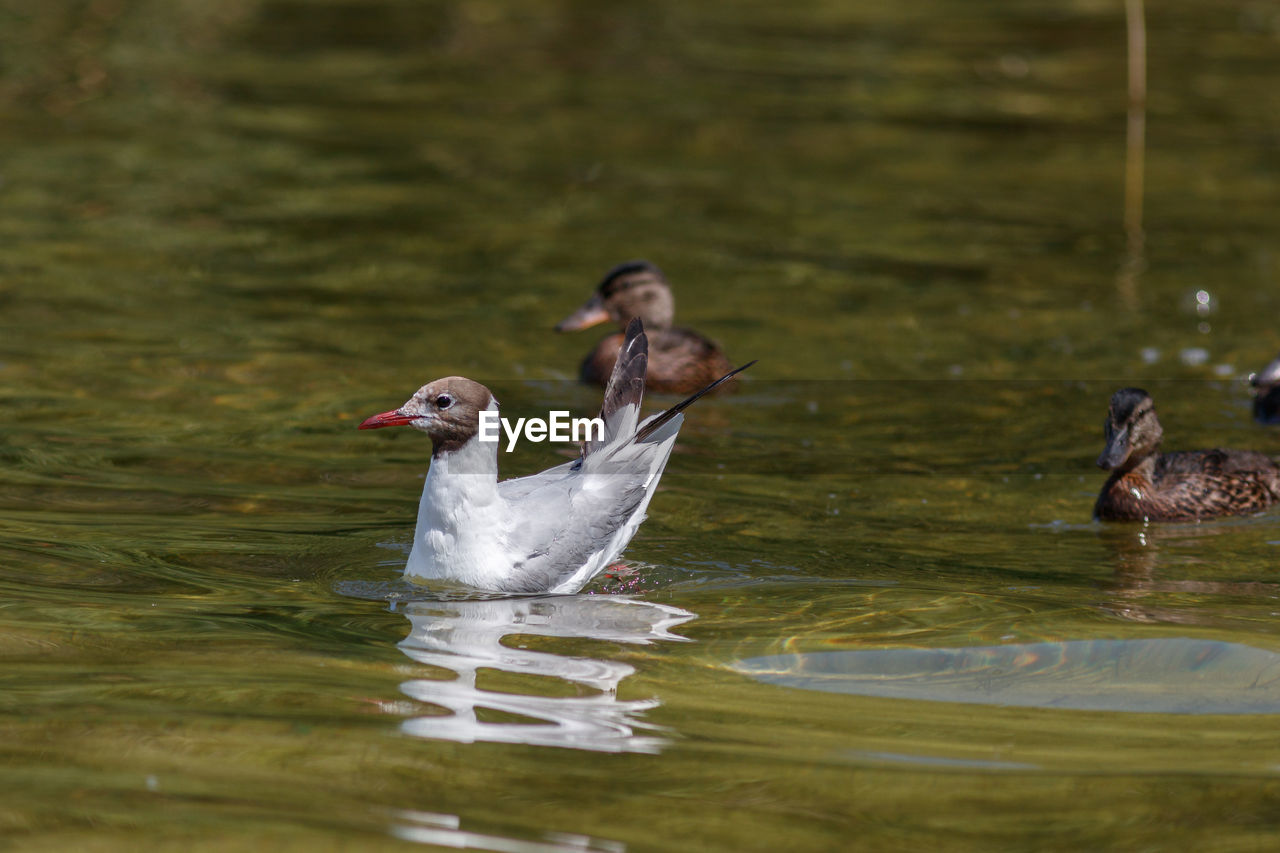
x,y
1148,485
1266,393
680,360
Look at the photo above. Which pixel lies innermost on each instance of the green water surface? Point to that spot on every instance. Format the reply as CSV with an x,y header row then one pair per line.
x,y
229,231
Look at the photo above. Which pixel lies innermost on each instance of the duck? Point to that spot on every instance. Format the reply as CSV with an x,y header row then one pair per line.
x,y
550,532
680,360
1266,393
1147,485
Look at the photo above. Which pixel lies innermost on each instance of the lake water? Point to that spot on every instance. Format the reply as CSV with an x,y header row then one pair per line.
x,y
229,232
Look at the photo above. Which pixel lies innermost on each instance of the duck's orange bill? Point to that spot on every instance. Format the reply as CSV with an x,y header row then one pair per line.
x,y
386,419
590,314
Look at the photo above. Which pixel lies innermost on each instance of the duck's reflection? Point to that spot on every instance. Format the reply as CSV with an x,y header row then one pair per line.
x,y
465,637
1141,589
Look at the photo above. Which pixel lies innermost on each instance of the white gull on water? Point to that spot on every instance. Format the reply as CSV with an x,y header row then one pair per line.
x,y
548,532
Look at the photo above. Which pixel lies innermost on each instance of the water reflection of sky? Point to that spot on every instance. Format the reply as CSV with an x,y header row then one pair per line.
x,y
1164,675
465,637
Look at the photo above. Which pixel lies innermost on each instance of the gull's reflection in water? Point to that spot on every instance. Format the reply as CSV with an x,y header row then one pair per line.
x,y
468,636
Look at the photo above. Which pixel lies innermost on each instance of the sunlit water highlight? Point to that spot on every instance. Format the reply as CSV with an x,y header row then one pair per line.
x,y
441,830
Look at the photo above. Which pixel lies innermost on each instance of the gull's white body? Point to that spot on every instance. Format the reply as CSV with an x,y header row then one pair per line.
x,y
552,531
458,517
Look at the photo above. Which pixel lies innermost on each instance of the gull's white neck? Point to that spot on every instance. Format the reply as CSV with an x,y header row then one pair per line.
x,y
461,518
476,459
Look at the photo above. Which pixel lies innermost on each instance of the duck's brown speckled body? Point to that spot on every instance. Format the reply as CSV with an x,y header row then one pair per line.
x,y
1147,485
680,360
1266,390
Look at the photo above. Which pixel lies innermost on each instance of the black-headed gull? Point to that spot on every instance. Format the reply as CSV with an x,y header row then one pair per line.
x,y
548,532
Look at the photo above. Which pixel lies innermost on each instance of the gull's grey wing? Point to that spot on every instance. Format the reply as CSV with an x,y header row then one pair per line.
x,y
622,396
518,488
564,527
573,519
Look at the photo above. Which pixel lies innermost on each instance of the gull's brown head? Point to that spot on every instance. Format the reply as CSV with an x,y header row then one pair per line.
x,y
447,409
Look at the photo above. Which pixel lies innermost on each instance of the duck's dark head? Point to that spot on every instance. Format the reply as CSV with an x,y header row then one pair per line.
x,y
447,409
1266,390
1132,428
1268,377
629,290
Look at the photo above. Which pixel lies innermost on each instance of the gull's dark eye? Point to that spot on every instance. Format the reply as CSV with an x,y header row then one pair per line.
x,y
444,401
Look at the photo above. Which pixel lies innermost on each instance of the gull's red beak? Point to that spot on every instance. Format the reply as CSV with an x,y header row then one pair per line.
x,y
386,419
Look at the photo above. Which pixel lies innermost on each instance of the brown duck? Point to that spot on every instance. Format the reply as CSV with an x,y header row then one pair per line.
x,y
1266,393
1147,485
680,360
